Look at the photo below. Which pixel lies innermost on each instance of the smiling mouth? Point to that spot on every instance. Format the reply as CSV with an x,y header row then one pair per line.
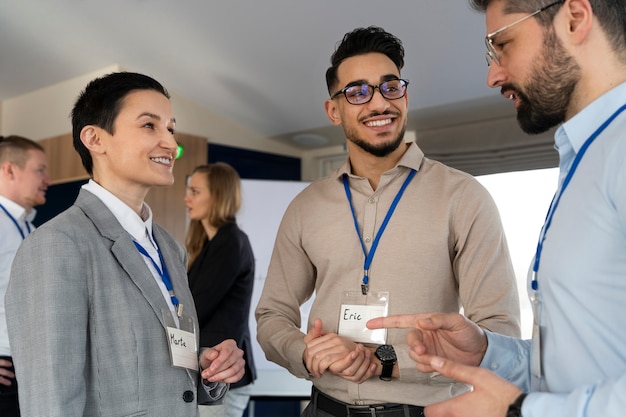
x,y
379,123
162,160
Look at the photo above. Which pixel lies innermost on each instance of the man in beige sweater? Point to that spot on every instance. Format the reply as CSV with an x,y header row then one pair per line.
x,y
389,232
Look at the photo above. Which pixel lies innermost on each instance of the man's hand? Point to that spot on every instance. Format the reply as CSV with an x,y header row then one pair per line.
x,y
451,336
356,367
5,374
329,352
490,397
223,363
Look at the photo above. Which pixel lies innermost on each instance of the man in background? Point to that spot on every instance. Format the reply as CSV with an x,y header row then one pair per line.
x,y
23,184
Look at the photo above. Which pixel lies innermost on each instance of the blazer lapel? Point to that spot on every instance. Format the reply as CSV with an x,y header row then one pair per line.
x,y
124,251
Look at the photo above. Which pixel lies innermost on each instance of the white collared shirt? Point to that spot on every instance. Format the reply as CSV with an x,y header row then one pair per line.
x,y
139,229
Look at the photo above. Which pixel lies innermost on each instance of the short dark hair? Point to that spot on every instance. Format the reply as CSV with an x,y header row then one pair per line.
x,y
611,15
14,149
362,41
100,102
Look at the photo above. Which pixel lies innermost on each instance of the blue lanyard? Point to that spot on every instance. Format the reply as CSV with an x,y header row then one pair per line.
x,y
165,276
16,223
369,256
557,197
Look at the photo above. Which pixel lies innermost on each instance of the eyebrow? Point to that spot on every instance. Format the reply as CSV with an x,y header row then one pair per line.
x,y
154,116
387,77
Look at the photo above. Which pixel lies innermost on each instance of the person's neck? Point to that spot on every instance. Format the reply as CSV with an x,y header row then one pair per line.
x,y
601,71
372,167
210,230
133,197
14,197
587,91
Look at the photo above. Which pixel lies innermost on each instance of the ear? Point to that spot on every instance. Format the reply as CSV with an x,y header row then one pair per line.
x,y
332,112
90,136
578,15
7,169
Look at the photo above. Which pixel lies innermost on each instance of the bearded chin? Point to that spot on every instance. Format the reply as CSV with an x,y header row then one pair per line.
x,y
382,149
535,121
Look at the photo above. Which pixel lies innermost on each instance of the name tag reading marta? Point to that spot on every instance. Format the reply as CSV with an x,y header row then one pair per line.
x,y
183,348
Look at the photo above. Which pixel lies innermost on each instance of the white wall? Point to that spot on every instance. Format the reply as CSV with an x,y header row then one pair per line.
x,y
312,161
196,120
45,113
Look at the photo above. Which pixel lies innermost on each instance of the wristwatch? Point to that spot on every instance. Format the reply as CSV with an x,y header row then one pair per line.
x,y
387,357
515,409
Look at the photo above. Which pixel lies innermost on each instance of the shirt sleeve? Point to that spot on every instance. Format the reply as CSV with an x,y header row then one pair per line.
x,y
509,358
211,393
604,398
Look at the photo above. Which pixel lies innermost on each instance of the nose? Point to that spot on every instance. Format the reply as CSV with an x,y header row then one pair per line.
x,y
496,75
169,142
378,101
46,178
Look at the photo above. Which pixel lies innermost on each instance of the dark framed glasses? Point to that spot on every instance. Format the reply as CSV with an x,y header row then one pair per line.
x,y
363,93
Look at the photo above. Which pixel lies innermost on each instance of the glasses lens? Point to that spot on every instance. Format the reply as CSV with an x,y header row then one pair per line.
x,y
393,89
491,55
358,94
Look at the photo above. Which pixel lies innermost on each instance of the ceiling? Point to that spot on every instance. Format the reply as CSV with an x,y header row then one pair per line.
x,y
262,63
259,63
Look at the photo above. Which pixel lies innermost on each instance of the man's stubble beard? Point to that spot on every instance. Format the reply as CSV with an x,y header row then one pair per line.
x,y
380,150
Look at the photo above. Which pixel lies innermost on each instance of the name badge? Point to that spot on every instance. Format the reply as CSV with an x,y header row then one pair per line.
x,y
181,339
183,348
356,310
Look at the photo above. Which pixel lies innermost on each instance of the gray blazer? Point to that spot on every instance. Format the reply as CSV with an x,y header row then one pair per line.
x,y
85,321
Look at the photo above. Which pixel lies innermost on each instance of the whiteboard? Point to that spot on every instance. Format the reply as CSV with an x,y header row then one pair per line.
x,y
263,204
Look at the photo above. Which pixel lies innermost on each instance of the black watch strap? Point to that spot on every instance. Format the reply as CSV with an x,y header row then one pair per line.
x,y
387,356
515,409
387,371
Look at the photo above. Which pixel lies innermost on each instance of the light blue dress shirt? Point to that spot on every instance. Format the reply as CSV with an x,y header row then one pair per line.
x,y
581,280
10,240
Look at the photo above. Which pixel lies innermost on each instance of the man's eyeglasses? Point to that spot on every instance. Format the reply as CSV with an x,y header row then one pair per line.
x,y
492,54
363,93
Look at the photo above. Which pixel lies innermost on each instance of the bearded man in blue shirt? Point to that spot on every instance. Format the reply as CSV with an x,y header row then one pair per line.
x,y
559,62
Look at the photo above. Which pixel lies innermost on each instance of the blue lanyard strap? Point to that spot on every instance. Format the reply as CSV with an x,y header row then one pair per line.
x,y
557,196
369,256
165,276
16,223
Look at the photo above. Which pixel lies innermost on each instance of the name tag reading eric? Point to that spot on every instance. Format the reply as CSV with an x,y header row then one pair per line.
x,y
183,348
352,321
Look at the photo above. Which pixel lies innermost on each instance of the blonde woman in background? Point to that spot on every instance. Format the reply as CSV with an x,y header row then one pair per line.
x,y
221,272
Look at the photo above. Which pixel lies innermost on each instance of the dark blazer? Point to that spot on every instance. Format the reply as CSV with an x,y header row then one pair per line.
x,y
221,280
85,320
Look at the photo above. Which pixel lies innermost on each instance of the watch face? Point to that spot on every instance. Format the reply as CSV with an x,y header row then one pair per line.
x,y
386,353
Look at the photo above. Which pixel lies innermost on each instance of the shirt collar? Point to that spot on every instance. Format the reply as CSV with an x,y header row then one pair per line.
x,y
18,212
580,127
130,221
412,158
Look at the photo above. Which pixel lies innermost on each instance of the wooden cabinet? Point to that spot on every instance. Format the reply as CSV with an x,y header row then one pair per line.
x,y
166,203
